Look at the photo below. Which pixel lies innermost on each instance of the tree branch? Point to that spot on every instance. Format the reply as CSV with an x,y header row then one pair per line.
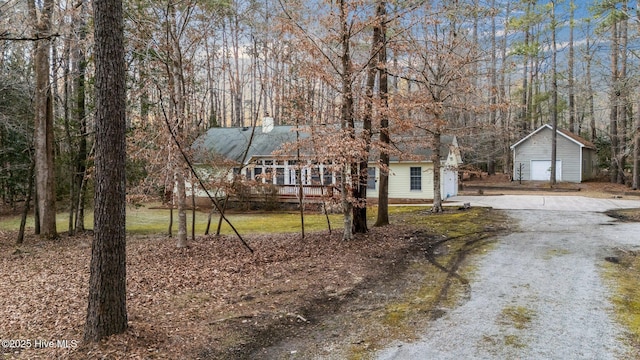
x,y
193,171
6,36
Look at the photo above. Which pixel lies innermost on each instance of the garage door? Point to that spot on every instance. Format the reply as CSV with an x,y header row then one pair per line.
x,y
541,170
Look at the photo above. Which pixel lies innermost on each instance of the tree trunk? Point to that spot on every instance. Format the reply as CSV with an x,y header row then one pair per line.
x,y
590,92
493,94
505,115
347,233
79,60
636,153
554,96
81,159
624,106
524,112
299,181
383,183
435,158
346,119
27,205
43,124
106,310
636,137
178,111
222,211
170,229
73,190
193,209
570,80
182,212
613,106
360,191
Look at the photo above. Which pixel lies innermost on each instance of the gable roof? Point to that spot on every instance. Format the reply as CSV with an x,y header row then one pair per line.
x,y
231,144
582,142
408,148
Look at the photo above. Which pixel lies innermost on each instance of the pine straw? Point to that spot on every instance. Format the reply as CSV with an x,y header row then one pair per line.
x,y
200,302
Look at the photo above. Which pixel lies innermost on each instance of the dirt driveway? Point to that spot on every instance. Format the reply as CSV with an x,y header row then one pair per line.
x,y
540,293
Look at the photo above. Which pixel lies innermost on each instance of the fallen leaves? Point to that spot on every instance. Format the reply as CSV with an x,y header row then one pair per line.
x,y
205,301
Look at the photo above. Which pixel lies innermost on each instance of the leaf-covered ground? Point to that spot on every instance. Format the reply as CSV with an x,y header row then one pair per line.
x,y
196,302
212,300
215,300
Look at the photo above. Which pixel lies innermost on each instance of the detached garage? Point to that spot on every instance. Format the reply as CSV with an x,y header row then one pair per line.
x,y
576,159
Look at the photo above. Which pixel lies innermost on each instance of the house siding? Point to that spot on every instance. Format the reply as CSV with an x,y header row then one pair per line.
x,y
538,147
251,160
400,182
589,164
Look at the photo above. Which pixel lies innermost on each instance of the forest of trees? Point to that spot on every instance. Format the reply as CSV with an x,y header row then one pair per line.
x,y
88,90
487,71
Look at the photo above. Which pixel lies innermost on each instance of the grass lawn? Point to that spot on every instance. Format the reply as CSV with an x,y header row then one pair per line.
x,y
150,219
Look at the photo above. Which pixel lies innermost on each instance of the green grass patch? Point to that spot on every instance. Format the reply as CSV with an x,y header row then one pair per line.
x,y
552,253
152,219
438,290
451,223
517,316
514,341
624,278
147,221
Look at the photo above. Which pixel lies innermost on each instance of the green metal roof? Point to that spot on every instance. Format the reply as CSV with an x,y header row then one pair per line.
x,y
231,144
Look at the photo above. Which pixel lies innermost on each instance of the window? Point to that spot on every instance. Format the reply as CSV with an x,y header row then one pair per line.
x,y
258,174
371,178
292,176
327,176
416,178
268,175
315,175
279,176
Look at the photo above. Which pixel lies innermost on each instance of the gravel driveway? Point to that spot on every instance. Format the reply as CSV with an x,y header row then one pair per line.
x,y
539,294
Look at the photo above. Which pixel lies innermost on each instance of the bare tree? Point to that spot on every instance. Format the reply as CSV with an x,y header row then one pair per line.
x,y
441,62
554,94
570,69
43,126
332,54
383,189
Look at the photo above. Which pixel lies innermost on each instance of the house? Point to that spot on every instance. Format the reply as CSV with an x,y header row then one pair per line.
x,y
257,154
411,178
576,159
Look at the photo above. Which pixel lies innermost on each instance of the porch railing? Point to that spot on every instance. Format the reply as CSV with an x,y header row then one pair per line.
x,y
308,191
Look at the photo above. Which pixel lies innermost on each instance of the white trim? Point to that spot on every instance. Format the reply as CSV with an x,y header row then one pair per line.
x,y
550,128
580,175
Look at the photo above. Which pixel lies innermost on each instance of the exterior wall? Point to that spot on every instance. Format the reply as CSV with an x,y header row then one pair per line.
x,y
589,164
400,182
538,147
